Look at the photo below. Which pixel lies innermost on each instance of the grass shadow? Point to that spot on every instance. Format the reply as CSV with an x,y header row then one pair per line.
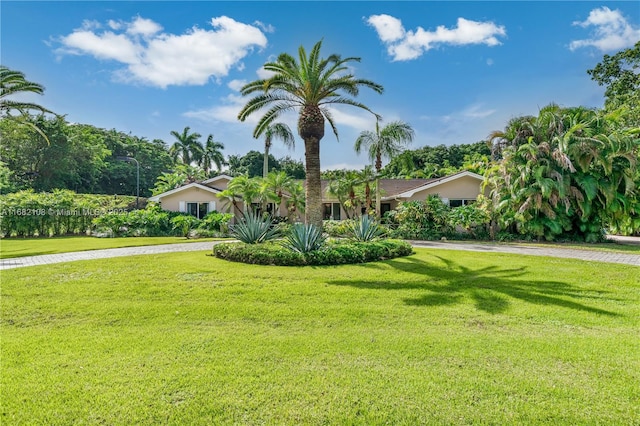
x,y
491,287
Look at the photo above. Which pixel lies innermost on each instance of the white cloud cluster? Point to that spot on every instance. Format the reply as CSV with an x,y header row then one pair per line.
x,y
160,59
611,31
403,45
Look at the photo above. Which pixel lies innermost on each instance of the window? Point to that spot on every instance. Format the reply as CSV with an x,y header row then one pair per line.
x,y
460,203
198,210
384,208
331,211
257,208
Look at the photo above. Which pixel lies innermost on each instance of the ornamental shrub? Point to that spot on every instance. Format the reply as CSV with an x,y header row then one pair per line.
x,y
333,253
255,229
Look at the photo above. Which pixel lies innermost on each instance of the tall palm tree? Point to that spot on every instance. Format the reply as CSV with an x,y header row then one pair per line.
x,y
308,85
275,131
187,147
386,142
212,154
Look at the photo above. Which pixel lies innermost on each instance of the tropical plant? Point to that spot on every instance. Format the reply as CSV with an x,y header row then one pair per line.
x,y
185,223
245,187
387,142
344,188
14,83
295,202
212,154
276,185
187,147
422,220
366,176
366,229
308,85
254,229
183,174
275,131
619,74
574,175
304,238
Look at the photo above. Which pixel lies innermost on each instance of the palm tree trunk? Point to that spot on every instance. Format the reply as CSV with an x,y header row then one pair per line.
x,y
378,168
313,188
265,163
378,204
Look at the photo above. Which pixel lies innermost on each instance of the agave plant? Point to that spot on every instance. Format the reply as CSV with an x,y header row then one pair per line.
x,y
304,238
254,229
366,229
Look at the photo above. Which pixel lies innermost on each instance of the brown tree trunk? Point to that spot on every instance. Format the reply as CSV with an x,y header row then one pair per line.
x,y
311,130
313,187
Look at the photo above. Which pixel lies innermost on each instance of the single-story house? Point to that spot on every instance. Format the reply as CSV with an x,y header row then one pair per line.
x,y
199,198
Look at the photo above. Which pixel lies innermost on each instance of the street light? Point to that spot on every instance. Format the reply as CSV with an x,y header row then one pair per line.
x,y
129,159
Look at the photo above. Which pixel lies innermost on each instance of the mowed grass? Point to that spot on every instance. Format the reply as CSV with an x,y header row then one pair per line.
x,y
20,247
440,337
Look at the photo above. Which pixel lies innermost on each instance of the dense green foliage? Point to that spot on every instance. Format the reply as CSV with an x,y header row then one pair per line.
x,y
61,212
336,252
568,173
78,157
438,161
252,163
620,74
153,221
420,220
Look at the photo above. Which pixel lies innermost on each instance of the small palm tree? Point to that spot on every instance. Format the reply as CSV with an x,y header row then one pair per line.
x,y
186,148
275,131
276,184
308,85
296,201
212,154
248,188
386,142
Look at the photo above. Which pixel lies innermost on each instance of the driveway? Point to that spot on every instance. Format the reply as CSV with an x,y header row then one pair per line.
x,y
589,255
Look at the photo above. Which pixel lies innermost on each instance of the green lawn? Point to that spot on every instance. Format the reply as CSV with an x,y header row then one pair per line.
x,y
440,337
20,247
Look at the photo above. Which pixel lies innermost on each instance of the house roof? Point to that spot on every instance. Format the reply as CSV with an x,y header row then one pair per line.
x,y
430,183
215,179
156,198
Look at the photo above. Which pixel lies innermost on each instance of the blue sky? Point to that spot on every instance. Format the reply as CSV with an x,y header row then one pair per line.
x,y
454,70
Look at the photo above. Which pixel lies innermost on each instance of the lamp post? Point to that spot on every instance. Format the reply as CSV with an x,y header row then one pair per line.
x,y
129,159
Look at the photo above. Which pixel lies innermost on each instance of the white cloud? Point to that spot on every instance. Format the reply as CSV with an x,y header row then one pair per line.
x,y
236,85
143,27
389,28
267,28
405,45
264,74
490,62
162,59
611,31
226,112
358,121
